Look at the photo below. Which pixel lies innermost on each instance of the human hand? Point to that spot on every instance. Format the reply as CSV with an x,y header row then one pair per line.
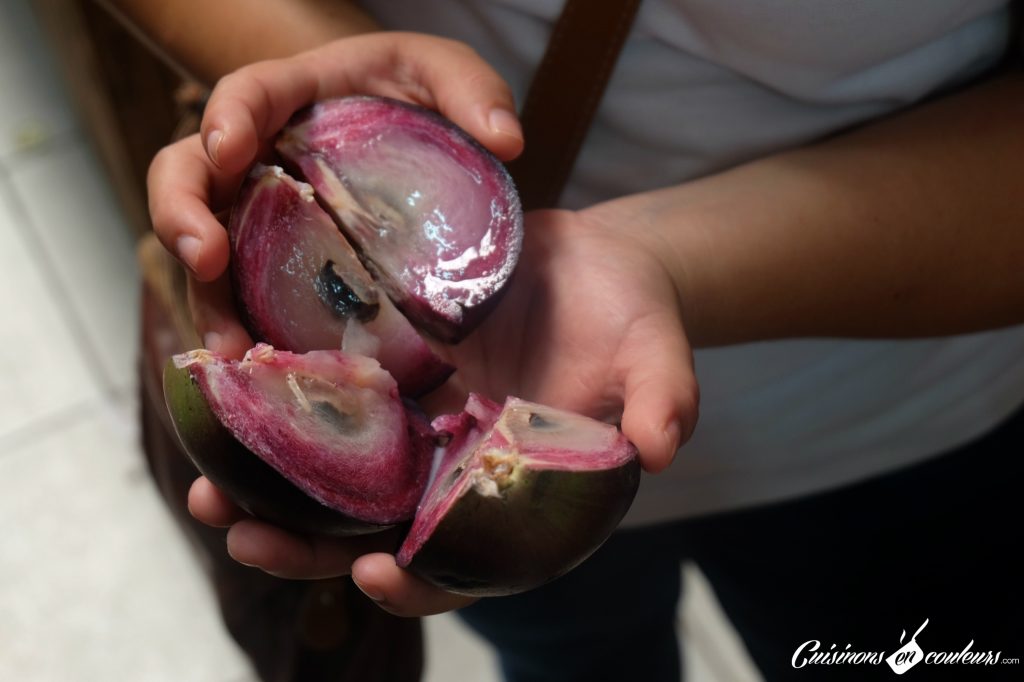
x,y
193,180
590,323
556,298
369,559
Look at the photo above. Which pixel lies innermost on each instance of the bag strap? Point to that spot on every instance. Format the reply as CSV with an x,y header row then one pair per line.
x,y
565,92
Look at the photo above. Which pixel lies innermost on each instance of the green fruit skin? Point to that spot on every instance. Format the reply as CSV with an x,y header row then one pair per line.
x,y
545,524
245,478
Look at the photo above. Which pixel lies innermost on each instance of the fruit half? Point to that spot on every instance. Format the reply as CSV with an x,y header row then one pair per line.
x,y
433,214
318,443
523,494
303,288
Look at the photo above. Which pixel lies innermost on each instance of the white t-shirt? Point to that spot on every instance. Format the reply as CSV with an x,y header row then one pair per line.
x,y
705,84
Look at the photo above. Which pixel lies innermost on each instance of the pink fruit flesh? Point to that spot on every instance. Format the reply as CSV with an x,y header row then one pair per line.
x,y
303,287
490,447
434,214
330,423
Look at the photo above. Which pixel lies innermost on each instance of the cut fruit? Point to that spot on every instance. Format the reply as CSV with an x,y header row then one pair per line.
x,y
522,494
502,499
434,215
332,425
303,288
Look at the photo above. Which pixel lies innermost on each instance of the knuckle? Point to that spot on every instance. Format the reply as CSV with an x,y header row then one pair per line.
x,y
459,48
480,79
236,79
160,217
691,397
689,408
160,160
233,87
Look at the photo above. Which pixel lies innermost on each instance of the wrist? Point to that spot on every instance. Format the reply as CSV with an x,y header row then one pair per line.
x,y
679,242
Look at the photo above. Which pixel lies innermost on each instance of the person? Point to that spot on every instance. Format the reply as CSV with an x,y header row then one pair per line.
x,y
820,199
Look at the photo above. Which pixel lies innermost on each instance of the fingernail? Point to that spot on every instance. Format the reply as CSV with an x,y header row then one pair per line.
x,y
372,593
673,434
211,341
188,250
505,122
232,555
244,563
213,141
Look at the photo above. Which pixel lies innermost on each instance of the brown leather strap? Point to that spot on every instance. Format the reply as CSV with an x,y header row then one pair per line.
x,y
565,92
1015,55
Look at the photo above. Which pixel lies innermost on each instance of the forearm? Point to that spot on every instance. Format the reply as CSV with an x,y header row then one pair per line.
x,y
912,226
211,39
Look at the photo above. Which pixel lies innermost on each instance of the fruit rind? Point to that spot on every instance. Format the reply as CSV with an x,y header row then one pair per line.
x,y
542,526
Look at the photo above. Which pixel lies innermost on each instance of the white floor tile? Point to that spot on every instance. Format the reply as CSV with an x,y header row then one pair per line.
x,y
42,372
714,651
98,584
696,667
33,107
454,652
89,248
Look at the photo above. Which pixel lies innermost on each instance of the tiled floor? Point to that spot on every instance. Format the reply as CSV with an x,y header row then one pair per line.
x,y
95,581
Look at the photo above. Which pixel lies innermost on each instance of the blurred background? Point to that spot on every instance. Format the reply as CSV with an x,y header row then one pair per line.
x,y
96,580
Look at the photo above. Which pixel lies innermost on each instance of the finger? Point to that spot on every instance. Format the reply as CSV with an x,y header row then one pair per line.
x,y
208,504
287,555
255,102
660,390
184,191
400,592
213,311
251,105
464,87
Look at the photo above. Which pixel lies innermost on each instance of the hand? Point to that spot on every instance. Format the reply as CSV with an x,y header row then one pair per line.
x,y
596,307
196,178
589,323
366,558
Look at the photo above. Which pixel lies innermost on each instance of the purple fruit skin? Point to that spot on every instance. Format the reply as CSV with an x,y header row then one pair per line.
x,y
273,218
551,522
455,266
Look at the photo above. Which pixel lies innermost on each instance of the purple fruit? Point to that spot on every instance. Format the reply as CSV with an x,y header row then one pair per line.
x,y
322,443
331,424
303,288
522,494
434,215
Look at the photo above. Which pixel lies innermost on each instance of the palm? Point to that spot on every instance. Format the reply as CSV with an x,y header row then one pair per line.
x,y
573,321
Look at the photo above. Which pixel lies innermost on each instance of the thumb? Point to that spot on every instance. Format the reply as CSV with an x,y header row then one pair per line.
x,y
661,394
399,592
